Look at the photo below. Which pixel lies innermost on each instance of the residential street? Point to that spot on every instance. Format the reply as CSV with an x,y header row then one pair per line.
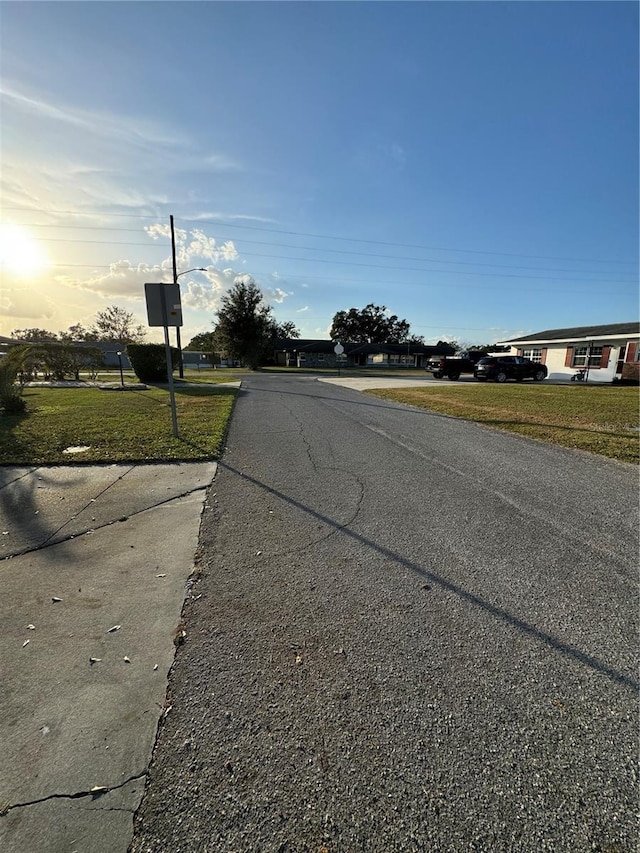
x,y
413,634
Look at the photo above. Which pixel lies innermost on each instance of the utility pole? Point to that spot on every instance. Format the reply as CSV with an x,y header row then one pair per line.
x,y
175,281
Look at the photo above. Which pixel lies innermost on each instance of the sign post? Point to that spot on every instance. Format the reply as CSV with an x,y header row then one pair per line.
x,y
338,349
164,309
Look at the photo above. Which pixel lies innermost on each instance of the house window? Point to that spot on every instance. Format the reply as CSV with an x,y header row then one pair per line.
x,y
320,356
580,356
534,354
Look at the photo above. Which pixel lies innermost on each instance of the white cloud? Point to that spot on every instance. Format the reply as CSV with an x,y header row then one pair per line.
x,y
210,214
193,248
278,295
219,163
375,154
19,303
398,155
301,310
102,162
124,279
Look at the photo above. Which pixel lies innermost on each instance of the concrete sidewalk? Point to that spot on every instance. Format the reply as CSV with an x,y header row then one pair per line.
x,y
94,572
364,383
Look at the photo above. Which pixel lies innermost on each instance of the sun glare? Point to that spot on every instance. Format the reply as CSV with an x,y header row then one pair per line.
x,y
20,253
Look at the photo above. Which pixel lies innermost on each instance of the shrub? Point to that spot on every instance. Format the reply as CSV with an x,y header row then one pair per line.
x,y
58,360
149,361
10,390
13,404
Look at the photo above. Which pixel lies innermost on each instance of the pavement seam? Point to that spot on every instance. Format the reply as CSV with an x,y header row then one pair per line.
x,y
49,544
5,809
89,502
21,477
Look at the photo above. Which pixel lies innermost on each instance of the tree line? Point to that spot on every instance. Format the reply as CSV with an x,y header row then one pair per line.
x,y
113,324
245,329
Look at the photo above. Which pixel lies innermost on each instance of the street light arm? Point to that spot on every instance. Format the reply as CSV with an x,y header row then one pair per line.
x,y
176,276
195,269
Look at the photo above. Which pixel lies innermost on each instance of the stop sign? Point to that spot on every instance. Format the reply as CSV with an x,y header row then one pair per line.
x,y
338,349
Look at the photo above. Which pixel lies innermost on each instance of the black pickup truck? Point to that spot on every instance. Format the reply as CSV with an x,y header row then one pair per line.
x,y
451,366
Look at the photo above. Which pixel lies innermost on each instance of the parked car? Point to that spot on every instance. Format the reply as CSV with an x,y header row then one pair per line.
x,y
503,367
451,367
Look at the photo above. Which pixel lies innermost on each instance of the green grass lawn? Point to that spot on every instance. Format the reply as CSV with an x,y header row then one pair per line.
x,y
117,426
601,419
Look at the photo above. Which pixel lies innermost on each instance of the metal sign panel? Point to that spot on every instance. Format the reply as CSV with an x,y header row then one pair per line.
x,y
164,307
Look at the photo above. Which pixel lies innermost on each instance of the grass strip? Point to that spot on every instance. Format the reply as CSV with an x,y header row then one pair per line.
x,y
600,419
116,426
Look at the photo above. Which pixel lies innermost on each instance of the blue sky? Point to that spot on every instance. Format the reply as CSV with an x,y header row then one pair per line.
x,y
471,165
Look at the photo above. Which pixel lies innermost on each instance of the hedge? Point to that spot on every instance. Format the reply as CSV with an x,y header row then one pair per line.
x,y
149,361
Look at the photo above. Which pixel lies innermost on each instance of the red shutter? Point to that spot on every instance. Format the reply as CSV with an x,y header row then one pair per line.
x,y
568,362
604,359
631,352
543,356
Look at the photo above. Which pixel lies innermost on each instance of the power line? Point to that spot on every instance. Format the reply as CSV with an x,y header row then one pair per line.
x,y
398,269
160,246
403,245
429,271
214,221
389,282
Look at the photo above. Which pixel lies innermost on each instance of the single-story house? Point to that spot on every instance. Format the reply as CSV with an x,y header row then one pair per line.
x,y
305,352
606,353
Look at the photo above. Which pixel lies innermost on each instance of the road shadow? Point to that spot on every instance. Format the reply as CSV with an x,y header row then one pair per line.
x,y
499,613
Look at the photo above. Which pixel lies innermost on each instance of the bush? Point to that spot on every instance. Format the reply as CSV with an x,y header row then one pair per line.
x,y
10,391
149,361
13,404
57,360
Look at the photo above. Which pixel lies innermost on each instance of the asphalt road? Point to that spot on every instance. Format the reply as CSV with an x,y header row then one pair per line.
x,y
413,634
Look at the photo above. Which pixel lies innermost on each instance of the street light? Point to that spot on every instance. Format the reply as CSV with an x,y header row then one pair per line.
x,y
119,354
176,276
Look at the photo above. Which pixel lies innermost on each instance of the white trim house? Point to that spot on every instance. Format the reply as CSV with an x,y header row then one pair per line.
x,y
606,353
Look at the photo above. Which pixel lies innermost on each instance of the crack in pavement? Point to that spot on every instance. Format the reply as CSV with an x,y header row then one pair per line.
x,y
574,540
49,544
5,809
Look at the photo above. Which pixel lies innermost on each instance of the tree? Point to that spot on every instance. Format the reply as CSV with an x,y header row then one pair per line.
x,y
203,342
244,324
34,335
118,324
58,359
209,343
78,332
466,346
285,330
370,325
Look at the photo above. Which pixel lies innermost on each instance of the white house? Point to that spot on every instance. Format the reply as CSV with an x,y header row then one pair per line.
x,y
606,353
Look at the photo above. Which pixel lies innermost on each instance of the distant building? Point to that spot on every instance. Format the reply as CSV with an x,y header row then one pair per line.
x,y
305,352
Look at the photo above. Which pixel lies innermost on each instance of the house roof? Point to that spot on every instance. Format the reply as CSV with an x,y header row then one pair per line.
x,y
579,333
323,346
